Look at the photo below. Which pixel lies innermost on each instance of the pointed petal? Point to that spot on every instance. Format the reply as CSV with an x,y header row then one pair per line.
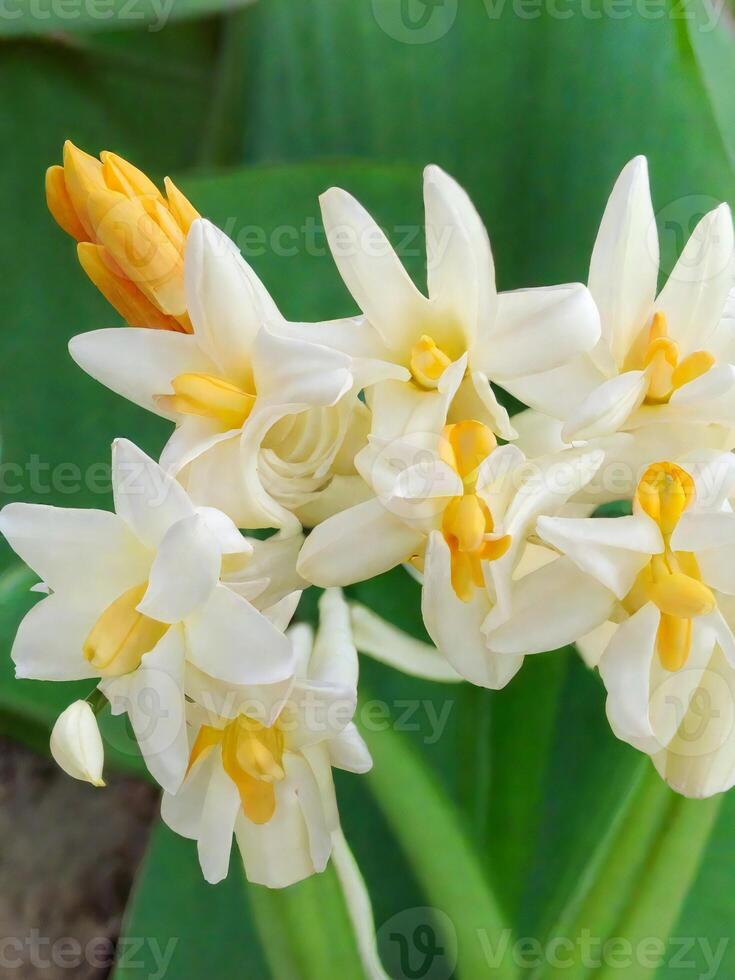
x,y
139,363
607,408
624,265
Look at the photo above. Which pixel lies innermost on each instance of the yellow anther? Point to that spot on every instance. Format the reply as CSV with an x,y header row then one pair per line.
x,y
658,355
682,596
664,493
495,548
465,522
211,397
252,756
138,234
121,636
673,641
692,367
466,445
427,362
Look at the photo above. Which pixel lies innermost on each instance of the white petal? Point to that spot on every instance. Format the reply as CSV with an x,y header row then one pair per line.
x,y
538,434
607,408
348,751
709,398
229,539
476,399
390,645
624,265
48,644
153,699
193,436
455,626
309,794
592,646
455,272
276,854
219,815
146,497
611,549
273,562
712,537
334,657
625,668
700,760
182,812
551,607
297,373
76,744
356,545
695,294
226,301
558,392
91,550
139,363
371,270
184,572
230,640
541,329
713,473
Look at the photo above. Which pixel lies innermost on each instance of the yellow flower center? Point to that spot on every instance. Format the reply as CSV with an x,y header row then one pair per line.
x,y
467,522
210,397
252,756
121,636
672,580
660,358
131,238
427,362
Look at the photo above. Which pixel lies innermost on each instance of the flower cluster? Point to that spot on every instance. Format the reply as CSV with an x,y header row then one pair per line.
x,y
385,436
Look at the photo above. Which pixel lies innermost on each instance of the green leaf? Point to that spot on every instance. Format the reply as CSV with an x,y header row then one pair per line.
x,y
174,916
41,17
711,35
431,834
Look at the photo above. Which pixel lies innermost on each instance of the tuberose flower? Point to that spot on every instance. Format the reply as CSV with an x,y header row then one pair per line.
x,y
653,596
266,424
76,744
452,503
271,784
130,236
664,368
137,595
503,337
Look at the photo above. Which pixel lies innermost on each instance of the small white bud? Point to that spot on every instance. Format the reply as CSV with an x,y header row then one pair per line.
x,y
76,744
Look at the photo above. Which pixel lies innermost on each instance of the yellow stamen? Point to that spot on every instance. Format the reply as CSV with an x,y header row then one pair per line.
x,y
211,397
682,596
466,445
467,522
252,756
671,580
427,362
138,232
664,493
121,636
673,641
659,356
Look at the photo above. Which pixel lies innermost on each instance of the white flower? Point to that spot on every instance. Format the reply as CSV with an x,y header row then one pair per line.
x,y
451,502
266,423
505,338
653,596
76,744
271,784
664,368
136,595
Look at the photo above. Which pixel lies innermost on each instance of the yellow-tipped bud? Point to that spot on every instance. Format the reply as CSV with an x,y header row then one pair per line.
x,y
138,233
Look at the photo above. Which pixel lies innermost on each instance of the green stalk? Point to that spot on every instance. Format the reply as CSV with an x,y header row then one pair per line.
x,y
430,832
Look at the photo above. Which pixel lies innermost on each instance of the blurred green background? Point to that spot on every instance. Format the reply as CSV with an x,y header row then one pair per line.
x,y
525,813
